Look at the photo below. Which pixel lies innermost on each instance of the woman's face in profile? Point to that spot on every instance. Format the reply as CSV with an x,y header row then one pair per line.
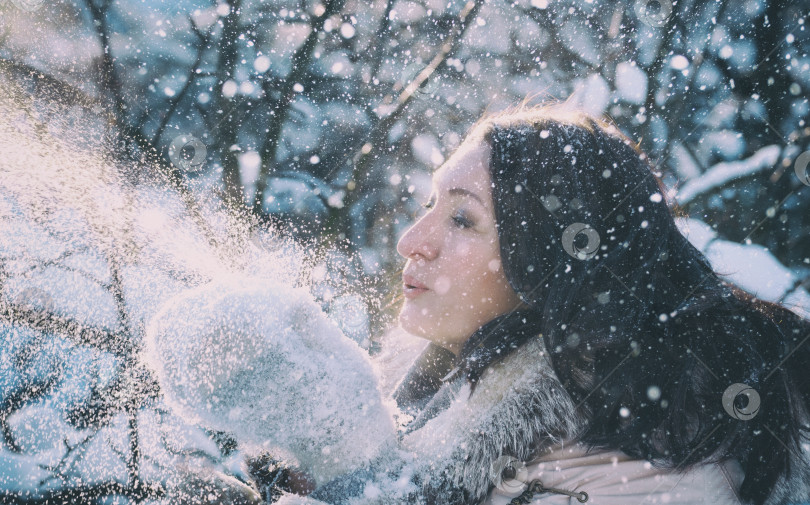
x,y
453,281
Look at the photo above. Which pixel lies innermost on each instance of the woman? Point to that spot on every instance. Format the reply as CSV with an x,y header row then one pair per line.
x,y
578,338
580,347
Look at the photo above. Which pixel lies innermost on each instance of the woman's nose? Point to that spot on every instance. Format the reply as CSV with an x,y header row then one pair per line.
x,y
418,240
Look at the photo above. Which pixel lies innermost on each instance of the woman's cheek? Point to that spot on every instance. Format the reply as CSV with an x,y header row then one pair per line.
x,y
442,285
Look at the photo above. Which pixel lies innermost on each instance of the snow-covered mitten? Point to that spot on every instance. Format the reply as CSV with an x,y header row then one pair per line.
x,y
263,361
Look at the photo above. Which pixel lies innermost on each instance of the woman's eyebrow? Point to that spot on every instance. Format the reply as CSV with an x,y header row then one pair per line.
x,y
466,192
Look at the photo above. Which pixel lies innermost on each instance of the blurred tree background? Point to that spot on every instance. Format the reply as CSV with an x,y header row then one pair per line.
x,y
329,116
326,119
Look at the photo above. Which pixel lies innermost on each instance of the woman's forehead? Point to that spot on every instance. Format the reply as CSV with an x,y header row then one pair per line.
x,y
468,167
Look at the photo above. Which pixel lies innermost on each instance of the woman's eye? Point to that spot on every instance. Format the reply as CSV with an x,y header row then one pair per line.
x,y
419,212
462,222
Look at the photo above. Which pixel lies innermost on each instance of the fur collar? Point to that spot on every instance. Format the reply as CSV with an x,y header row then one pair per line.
x,y
517,408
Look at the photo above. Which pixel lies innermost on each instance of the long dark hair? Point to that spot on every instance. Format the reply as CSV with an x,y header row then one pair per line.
x,y
642,333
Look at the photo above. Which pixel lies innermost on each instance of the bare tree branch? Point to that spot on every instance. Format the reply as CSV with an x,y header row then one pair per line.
x,y
109,75
544,20
63,468
226,128
115,343
301,60
20,398
379,36
86,493
190,79
381,129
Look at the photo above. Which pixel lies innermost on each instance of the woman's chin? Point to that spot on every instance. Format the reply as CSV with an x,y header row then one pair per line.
x,y
411,324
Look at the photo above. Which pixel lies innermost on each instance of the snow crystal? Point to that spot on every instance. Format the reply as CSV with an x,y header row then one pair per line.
x,y
427,150
592,94
679,62
261,64
631,83
347,31
229,88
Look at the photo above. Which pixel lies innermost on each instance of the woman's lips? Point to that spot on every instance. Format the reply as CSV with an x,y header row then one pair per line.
x,y
411,292
412,288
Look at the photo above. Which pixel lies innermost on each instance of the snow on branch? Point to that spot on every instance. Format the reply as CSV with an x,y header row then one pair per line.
x,y
751,267
726,171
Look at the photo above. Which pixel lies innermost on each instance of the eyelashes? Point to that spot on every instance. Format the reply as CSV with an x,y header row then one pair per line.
x,y
419,213
460,220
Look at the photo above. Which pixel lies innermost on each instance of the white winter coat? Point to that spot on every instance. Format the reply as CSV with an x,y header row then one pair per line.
x,y
613,478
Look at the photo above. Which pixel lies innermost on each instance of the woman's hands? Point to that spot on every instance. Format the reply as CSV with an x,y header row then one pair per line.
x,y
299,482
273,478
